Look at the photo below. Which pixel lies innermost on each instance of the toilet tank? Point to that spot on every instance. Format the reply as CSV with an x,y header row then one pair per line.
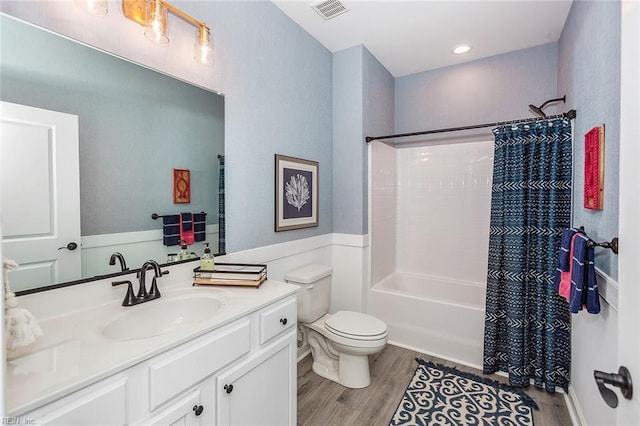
x,y
315,290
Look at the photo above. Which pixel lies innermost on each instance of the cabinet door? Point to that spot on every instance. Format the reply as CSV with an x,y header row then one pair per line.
x,y
262,389
185,411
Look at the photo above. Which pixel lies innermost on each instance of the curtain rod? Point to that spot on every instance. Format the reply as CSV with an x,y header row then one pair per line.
x,y
571,114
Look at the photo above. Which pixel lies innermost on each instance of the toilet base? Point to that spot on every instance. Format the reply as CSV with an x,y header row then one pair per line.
x,y
332,362
354,371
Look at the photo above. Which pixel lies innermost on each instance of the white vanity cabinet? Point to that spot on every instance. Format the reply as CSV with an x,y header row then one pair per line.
x,y
261,390
243,373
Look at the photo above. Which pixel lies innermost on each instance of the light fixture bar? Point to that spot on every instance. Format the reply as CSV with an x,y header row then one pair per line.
x,y
134,10
180,14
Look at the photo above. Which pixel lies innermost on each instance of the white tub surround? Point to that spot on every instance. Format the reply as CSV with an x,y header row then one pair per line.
x,y
75,370
437,316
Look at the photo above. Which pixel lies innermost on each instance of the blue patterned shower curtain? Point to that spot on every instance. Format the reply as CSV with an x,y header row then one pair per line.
x,y
222,245
527,325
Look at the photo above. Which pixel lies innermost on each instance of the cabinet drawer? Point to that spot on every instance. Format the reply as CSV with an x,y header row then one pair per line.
x,y
172,373
277,319
103,403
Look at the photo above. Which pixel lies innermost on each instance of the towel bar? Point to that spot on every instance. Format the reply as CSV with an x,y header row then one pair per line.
x,y
613,244
155,216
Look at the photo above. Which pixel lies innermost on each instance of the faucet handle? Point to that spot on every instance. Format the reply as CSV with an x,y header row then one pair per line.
x,y
154,292
129,298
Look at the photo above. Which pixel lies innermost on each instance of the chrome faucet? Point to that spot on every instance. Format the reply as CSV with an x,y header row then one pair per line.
x,y
120,257
143,295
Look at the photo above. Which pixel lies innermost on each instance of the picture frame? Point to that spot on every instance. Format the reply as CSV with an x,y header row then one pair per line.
x,y
181,186
296,193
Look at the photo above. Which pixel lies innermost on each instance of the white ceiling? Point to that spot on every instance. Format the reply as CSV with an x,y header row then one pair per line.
x,y
415,36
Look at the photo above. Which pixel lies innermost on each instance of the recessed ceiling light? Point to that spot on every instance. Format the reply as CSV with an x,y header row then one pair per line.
x,y
463,48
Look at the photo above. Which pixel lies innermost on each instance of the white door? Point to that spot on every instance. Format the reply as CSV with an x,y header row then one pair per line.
x,y
40,195
629,222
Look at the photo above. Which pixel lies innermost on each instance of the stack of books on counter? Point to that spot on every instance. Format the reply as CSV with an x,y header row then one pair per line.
x,y
234,274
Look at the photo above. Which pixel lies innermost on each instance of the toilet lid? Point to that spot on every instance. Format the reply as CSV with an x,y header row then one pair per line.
x,y
356,325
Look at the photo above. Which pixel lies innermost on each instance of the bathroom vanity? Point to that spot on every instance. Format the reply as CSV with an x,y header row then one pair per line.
x,y
198,355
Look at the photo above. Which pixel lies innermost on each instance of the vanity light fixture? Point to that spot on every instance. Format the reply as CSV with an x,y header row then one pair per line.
x,y
459,50
156,22
94,7
153,15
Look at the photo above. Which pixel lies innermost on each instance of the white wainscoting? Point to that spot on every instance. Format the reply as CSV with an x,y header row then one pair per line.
x,y
136,247
590,334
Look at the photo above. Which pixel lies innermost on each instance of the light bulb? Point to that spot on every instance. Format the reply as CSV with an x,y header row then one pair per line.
x,y
203,49
157,22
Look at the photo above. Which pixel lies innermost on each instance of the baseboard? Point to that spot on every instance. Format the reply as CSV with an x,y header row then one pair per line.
x,y
304,355
573,406
446,358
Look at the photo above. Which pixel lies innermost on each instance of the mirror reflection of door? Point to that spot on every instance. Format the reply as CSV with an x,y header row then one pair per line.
x,y
40,195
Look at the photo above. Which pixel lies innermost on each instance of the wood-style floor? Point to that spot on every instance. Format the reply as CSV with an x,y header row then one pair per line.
x,y
322,402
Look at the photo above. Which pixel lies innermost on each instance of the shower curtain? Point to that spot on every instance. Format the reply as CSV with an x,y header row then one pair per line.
x,y
527,325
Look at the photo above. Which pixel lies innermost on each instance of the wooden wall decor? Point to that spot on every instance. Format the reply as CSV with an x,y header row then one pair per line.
x,y
181,186
594,168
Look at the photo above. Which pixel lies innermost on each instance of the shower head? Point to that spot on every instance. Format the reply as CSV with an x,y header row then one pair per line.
x,y
539,110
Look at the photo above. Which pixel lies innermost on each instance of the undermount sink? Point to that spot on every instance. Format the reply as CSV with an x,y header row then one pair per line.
x,y
162,316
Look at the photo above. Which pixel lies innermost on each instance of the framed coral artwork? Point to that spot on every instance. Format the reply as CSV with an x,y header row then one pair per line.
x,y
181,186
296,193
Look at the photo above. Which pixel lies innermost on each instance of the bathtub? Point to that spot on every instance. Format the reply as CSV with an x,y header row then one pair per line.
x,y
437,316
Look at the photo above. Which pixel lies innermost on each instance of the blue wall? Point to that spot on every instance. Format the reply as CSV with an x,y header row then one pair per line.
x,y
363,96
277,101
348,194
589,73
487,90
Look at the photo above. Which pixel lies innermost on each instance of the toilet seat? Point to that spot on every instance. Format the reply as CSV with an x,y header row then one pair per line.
x,y
356,326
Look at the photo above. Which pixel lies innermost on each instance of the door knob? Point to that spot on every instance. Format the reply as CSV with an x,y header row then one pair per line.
x,y
197,409
228,388
71,246
621,380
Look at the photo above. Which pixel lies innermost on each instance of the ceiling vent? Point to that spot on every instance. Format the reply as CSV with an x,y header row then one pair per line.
x,y
329,8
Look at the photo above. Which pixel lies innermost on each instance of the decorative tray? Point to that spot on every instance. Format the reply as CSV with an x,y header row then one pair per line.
x,y
235,274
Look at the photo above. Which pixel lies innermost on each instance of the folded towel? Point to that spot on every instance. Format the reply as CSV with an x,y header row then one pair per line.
x,y
584,287
562,278
171,230
186,228
199,227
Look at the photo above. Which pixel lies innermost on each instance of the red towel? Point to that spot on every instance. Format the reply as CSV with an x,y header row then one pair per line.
x,y
565,277
186,228
591,169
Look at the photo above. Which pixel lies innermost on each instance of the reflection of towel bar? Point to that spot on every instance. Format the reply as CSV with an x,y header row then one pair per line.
x,y
613,244
155,216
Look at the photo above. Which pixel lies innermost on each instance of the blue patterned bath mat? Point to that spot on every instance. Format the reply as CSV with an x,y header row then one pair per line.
x,y
440,395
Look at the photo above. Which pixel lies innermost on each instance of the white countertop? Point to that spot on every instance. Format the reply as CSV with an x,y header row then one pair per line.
x,y
73,353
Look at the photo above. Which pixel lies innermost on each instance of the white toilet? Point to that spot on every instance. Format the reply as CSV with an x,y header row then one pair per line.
x,y
340,343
